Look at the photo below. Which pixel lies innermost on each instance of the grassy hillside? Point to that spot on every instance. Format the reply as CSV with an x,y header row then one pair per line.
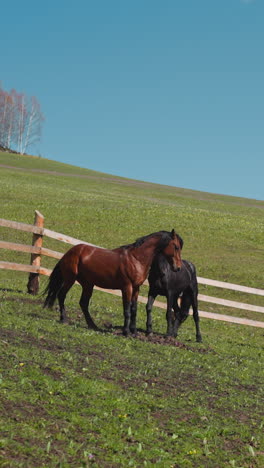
x,y
222,235
71,397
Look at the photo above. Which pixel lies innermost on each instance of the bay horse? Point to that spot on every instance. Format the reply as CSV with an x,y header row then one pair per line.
x,y
125,268
181,284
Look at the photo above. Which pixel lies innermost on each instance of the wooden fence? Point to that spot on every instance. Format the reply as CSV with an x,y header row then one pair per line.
x,y
35,269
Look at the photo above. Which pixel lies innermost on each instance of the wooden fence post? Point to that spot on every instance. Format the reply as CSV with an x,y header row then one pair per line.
x,y
33,280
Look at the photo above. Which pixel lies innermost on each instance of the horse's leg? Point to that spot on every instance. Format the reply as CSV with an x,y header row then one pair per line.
x,y
151,298
177,316
133,324
169,314
182,312
62,295
87,290
127,296
196,318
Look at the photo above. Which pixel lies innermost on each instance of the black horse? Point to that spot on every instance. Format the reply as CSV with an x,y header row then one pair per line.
x,y
173,285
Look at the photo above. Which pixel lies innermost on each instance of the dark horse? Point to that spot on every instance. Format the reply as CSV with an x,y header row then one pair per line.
x,y
164,281
124,268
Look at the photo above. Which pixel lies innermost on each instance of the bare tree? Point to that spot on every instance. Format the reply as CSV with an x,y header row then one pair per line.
x,y
3,116
20,121
11,119
32,123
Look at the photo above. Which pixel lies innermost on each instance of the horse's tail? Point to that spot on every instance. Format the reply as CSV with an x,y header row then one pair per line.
x,y
54,286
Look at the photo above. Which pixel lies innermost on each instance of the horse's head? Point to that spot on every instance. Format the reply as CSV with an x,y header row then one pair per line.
x,y
172,251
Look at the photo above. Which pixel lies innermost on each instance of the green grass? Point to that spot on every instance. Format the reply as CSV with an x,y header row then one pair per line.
x,y
72,397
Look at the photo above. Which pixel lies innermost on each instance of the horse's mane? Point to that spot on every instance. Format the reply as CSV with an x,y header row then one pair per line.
x,y
165,237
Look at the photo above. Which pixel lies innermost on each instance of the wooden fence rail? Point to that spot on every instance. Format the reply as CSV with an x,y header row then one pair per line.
x,y
35,269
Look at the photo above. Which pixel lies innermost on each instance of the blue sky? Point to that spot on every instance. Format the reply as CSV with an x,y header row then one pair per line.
x,y
168,91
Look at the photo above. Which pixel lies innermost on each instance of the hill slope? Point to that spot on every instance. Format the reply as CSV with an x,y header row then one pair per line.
x,y
223,235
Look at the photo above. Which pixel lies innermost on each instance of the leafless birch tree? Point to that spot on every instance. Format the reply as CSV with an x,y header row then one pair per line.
x,y
20,121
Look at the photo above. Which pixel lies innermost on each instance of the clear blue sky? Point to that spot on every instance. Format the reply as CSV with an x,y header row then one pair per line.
x,y
168,91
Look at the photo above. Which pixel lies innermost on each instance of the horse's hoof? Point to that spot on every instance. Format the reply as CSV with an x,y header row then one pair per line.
x,y
93,327
199,339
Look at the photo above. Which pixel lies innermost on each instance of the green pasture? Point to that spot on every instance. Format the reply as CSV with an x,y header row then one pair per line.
x,y
71,397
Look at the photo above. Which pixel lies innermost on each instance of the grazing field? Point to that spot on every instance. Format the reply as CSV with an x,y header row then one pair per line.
x,y
71,397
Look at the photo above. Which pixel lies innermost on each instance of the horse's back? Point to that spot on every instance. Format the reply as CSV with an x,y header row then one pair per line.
x,y
191,292
190,266
102,267
76,252
70,260
192,270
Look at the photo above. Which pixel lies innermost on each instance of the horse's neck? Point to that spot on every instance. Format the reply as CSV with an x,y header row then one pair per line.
x,y
160,263
146,252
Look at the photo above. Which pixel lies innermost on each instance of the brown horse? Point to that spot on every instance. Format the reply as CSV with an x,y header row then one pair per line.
x,y
124,268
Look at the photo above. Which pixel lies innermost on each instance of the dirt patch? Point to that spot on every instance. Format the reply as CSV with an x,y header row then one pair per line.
x,y
157,338
13,337
19,411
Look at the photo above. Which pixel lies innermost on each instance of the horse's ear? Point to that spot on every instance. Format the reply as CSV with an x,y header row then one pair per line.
x,y
181,242
174,236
